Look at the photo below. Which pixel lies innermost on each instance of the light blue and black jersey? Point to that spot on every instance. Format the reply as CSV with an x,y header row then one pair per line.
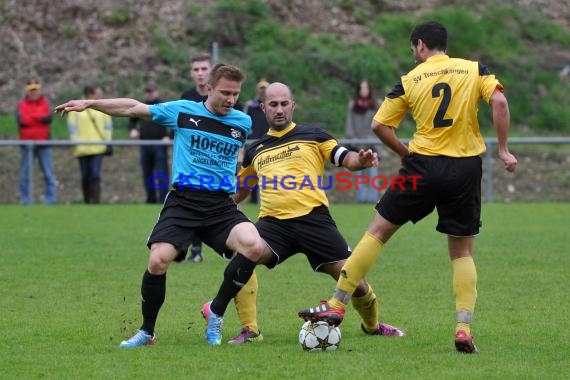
x,y
206,146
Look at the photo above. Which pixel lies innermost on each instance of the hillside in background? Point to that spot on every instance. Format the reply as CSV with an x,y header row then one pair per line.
x,y
321,48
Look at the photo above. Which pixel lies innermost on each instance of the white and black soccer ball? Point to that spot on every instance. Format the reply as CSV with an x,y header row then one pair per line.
x,y
319,336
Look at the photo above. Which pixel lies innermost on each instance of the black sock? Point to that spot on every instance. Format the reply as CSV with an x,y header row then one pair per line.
x,y
237,273
153,291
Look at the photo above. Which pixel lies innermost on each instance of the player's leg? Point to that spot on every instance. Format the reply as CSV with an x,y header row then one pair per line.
x,y
464,289
363,258
233,232
353,272
459,210
249,247
168,241
153,292
365,302
246,307
367,306
396,207
153,289
328,251
281,243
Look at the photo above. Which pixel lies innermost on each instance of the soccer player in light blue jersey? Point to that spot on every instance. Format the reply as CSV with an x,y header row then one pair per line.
x,y
207,139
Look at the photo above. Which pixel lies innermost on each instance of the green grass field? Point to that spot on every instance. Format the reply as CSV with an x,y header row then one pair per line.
x,y
70,279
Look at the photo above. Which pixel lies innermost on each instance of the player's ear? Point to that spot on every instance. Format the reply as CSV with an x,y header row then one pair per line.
x,y
421,44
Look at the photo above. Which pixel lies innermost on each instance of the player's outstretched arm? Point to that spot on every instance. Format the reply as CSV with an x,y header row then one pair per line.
x,y
119,107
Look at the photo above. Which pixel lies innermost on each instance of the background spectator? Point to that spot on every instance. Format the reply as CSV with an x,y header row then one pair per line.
x,y
253,109
200,66
34,115
361,110
259,121
90,125
153,158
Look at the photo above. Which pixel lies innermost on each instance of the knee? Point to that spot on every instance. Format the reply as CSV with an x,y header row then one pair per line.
x,y
245,239
255,249
157,262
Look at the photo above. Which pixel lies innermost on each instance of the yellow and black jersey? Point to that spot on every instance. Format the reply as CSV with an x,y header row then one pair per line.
x,y
288,167
442,94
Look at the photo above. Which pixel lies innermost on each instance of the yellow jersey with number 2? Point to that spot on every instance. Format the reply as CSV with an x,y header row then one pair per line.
x,y
442,95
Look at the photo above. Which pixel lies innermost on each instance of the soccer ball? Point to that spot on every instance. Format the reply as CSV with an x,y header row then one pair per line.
x,y
319,336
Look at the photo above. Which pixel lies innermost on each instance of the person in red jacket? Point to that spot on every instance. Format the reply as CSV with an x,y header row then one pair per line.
x,y
34,115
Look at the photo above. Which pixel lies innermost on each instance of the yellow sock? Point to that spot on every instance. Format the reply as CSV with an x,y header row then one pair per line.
x,y
367,308
359,263
246,304
463,326
465,290
336,304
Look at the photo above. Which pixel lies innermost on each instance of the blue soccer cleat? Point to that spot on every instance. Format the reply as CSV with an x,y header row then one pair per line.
x,y
141,338
215,322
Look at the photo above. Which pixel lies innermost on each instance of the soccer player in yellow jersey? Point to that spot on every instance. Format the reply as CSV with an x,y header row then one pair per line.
x,y
287,165
442,94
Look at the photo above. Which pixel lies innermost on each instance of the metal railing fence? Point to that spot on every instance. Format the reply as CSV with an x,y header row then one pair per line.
x,y
488,158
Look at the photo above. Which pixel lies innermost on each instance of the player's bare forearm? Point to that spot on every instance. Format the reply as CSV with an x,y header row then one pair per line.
x,y
501,122
501,117
119,107
387,135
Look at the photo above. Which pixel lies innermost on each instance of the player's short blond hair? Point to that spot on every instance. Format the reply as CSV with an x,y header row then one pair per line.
x,y
222,70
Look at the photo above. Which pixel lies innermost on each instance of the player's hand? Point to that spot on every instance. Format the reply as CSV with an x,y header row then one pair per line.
x,y
368,158
509,160
72,105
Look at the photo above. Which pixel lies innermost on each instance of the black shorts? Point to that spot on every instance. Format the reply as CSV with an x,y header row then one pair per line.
x,y
210,215
453,185
314,234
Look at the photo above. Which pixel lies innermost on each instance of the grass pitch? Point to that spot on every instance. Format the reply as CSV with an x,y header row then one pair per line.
x,y
70,280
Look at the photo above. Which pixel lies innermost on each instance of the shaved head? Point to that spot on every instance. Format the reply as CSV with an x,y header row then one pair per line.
x,y
278,106
280,89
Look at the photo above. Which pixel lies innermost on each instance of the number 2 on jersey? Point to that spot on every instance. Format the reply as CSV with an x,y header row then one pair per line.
x,y
438,120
